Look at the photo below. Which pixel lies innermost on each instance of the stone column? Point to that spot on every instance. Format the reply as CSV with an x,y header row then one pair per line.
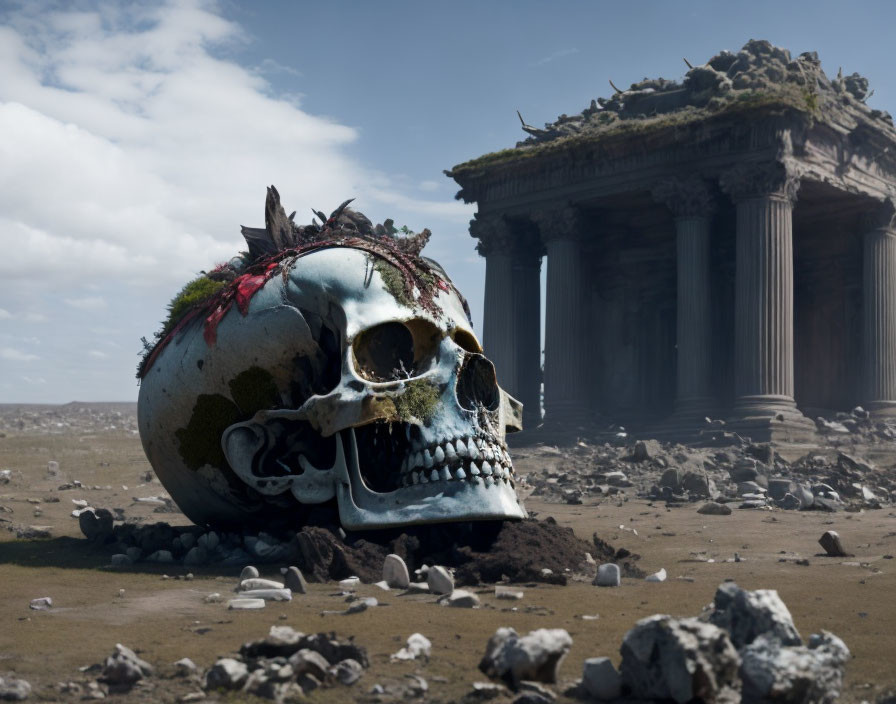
x,y
691,204
763,366
527,298
879,294
565,394
499,333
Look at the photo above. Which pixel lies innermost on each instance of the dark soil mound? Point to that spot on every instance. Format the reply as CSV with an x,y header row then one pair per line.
x,y
481,552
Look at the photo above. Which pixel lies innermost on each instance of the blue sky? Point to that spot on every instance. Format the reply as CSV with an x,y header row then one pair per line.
x,y
136,138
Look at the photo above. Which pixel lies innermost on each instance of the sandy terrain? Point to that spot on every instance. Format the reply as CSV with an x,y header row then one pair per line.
x,y
167,619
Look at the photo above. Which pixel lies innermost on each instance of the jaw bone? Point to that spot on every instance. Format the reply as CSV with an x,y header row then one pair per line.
x,y
443,501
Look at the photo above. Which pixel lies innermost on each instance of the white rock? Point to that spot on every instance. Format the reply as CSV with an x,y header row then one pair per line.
x,y
679,659
601,680
295,580
418,646
249,572
227,673
395,572
52,468
213,598
383,585
245,604
256,583
608,575
349,584
43,603
507,593
748,614
656,576
267,594
185,667
440,580
535,656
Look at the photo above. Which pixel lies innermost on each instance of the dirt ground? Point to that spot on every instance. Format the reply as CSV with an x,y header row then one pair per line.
x,y
167,619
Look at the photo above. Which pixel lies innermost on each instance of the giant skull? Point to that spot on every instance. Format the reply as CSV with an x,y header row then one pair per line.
x,y
329,385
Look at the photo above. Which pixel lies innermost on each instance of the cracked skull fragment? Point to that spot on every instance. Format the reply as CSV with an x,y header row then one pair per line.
x,y
330,368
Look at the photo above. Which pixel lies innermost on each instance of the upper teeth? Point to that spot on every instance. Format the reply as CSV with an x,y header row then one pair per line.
x,y
458,459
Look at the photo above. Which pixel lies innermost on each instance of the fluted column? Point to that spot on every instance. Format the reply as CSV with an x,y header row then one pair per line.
x,y
764,195
690,202
527,295
879,294
565,394
499,324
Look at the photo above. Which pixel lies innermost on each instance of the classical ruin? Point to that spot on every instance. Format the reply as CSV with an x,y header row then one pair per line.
x,y
722,247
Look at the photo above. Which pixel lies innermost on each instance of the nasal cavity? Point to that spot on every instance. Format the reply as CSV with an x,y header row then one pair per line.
x,y
477,385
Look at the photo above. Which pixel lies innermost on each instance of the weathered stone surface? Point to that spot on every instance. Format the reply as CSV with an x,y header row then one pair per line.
x,y
608,575
535,656
295,581
418,645
679,659
186,667
249,572
749,614
245,604
462,598
711,508
395,572
601,680
256,583
123,668
830,541
227,673
772,672
659,576
440,580
267,594
14,690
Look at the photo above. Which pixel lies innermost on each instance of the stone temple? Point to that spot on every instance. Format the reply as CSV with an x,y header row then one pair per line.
x,y
719,247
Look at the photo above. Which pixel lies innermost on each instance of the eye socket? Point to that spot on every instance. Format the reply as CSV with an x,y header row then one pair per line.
x,y
466,340
393,350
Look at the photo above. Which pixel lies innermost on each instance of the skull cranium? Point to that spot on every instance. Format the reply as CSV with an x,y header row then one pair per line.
x,y
334,386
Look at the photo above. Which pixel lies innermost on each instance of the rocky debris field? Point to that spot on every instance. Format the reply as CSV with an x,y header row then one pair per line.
x,y
622,586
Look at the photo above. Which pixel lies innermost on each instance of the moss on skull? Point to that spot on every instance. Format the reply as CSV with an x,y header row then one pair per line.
x,y
200,441
419,400
393,280
196,292
253,390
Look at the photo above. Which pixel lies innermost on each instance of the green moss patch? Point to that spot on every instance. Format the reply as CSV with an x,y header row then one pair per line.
x,y
253,390
419,400
200,441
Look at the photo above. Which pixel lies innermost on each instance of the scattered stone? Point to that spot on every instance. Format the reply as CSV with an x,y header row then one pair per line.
x,y
485,691
830,541
295,581
196,556
462,598
213,598
349,584
249,572
749,614
440,580
711,508
608,575
185,667
14,690
656,576
245,604
347,671
803,675
227,673
418,646
679,659
601,680
256,583
43,603
123,668
535,656
502,592
121,560
395,572
267,594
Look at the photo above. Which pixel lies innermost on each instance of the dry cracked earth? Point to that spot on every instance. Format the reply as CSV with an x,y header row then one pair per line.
x,y
157,611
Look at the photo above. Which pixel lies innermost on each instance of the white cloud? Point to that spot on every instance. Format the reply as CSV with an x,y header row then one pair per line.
x,y
87,303
34,318
5,314
556,55
14,355
34,379
429,186
97,354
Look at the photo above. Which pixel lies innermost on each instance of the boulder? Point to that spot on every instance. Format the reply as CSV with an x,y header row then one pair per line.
x,y
96,523
830,541
227,673
795,674
608,575
679,659
601,680
748,614
395,572
295,581
440,580
535,656
123,668
14,690
711,508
